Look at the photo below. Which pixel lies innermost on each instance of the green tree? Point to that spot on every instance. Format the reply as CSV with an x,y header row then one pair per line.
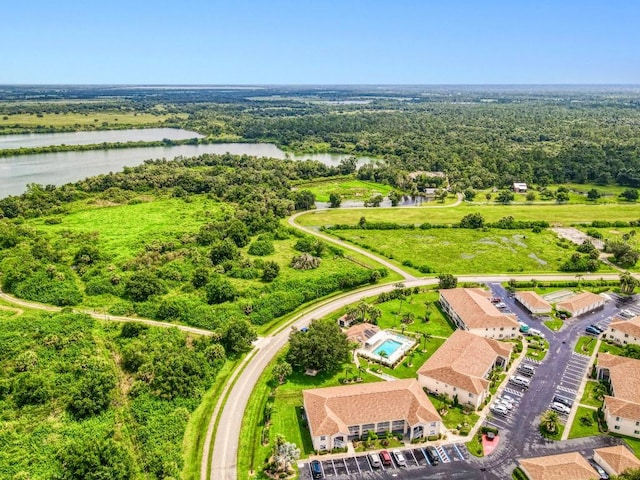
x,y
94,391
562,197
472,220
469,194
31,388
630,195
261,248
323,347
304,200
281,370
200,277
95,459
142,285
238,336
270,271
335,200
628,283
220,290
446,281
530,196
593,195
505,197
223,250
395,198
238,232
549,422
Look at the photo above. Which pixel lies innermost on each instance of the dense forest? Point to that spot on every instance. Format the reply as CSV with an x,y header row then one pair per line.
x,y
481,137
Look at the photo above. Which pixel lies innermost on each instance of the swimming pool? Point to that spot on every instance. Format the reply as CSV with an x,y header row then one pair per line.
x,y
389,346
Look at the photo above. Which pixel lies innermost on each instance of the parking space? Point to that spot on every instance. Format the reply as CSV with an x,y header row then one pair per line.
x,y
364,465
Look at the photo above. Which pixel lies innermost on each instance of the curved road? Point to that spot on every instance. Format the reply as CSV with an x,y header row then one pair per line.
x,y
225,449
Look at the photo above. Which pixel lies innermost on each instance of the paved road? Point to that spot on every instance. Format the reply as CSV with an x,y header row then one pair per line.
x,y
225,447
102,316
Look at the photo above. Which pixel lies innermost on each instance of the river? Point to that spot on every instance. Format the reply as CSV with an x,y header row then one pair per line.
x,y
16,172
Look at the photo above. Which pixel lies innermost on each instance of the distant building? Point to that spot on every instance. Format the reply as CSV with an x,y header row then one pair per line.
x,y
461,367
615,460
624,332
622,408
519,187
581,303
569,466
533,302
471,309
337,415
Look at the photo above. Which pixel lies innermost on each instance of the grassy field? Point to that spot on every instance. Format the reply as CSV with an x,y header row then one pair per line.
x,y
123,230
409,366
555,324
589,397
465,251
585,423
348,188
611,348
81,120
577,194
555,214
417,305
454,416
538,348
585,345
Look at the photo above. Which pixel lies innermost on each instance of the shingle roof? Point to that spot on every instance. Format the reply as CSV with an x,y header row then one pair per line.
x,y
632,327
625,375
619,458
474,307
361,332
579,302
464,359
331,410
619,407
533,299
565,466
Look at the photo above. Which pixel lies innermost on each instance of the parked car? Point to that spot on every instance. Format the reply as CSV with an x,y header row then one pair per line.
x,y
627,314
526,369
592,331
508,398
400,460
600,470
504,403
316,469
596,327
563,400
560,408
376,461
501,305
386,458
520,381
432,455
563,315
496,300
499,409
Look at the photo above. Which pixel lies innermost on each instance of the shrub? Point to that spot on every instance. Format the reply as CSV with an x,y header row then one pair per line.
x,y
261,248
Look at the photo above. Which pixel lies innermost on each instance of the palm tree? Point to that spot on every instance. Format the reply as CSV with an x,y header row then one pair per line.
x,y
425,337
628,283
549,422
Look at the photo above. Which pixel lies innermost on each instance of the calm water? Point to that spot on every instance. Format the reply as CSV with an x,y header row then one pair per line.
x,y
90,138
64,167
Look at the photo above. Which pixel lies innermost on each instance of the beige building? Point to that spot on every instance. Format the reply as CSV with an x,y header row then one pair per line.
x,y
337,415
566,466
361,332
622,408
615,460
471,309
461,367
624,332
581,303
533,302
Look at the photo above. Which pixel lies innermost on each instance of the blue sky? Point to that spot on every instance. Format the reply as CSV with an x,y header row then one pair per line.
x,y
320,42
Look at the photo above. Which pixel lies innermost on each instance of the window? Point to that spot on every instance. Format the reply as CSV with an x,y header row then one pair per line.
x,y
637,424
636,432
470,395
501,329
323,438
432,433
617,427
617,419
626,335
455,389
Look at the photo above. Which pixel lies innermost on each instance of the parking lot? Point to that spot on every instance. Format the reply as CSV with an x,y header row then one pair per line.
x,y
359,466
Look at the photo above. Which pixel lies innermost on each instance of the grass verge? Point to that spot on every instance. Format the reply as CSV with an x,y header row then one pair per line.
x,y
585,423
585,345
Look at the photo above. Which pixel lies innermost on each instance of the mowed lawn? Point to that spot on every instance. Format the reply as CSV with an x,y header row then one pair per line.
x,y
124,229
347,188
554,214
463,251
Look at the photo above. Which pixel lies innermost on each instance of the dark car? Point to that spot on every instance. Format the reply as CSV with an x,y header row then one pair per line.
x,y
316,469
592,331
564,400
596,327
432,455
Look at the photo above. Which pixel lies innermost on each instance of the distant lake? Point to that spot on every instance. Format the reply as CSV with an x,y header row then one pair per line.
x,y
90,138
64,167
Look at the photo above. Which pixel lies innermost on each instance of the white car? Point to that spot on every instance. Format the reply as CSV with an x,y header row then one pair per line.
x,y
508,398
499,409
536,332
400,460
560,408
507,405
